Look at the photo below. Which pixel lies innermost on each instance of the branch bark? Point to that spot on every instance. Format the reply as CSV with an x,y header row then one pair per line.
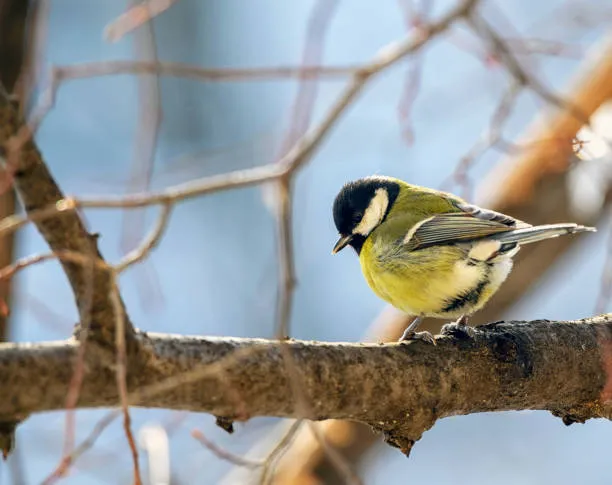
x,y
400,389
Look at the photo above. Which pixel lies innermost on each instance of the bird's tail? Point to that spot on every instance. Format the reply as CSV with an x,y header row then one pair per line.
x,y
538,233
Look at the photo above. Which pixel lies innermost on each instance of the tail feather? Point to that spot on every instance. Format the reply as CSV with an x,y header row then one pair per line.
x,y
538,233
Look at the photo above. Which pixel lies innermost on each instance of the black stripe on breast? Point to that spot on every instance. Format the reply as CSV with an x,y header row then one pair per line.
x,y
470,297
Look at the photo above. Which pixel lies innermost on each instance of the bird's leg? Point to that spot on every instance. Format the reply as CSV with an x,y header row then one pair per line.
x,y
410,334
411,328
460,328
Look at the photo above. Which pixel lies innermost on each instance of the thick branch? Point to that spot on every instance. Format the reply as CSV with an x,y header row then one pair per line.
x,y
37,189
401,389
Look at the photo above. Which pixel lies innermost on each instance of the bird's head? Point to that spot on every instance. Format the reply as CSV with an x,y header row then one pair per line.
x,y
360,207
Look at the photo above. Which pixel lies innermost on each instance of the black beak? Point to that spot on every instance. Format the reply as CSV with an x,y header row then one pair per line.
x,y
342,243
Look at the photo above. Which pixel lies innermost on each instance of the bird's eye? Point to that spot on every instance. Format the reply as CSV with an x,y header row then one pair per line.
x,y
357,216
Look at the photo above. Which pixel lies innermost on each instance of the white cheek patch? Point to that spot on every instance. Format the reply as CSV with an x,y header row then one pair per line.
x,y
374,214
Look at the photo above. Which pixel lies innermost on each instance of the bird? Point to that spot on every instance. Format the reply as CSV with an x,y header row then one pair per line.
x,y
430,253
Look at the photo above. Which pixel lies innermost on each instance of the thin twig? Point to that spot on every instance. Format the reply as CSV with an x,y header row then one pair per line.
x,y
85,445
64,255
121,372
215,369
14,222
79,366
223,454
188,71
301,114
138,254
149,242
145,150
489,139
413,19
269,464
287,279
501,51
135,17
191,189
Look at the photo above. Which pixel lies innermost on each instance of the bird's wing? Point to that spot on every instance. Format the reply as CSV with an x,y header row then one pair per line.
x,y
488,215
456,227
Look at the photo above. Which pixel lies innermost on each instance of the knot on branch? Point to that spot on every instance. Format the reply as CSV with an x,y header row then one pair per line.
x,y
568,418
405,431
7,437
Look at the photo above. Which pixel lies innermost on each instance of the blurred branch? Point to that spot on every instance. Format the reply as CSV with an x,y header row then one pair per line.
x,y
188,71
266,465
303,106
150,115
548,142
400,389
137,16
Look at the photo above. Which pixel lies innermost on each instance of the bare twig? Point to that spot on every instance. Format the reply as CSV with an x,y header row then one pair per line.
x,y
149,242
188,71
490,138
224,454
286,264
120,347
267,465
135,256
65,256
501,51
413,19
135,17
544,47
145,148
68,460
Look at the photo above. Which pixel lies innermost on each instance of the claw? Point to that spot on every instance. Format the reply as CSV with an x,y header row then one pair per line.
x,y
424,336
458,329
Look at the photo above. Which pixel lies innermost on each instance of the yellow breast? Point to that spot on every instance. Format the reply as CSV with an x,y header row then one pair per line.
x,y
424,282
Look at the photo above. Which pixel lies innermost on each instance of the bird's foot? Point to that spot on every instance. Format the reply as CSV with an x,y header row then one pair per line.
x,y
459,329
424,336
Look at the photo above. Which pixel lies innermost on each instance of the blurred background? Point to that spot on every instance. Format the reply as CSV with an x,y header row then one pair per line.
x,y
215,272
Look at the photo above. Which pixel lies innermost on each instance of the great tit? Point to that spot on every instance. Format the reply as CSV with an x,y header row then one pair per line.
x,y
430,253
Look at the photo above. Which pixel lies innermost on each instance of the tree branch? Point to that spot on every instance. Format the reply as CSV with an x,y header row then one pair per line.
x,y
400,389
37,190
